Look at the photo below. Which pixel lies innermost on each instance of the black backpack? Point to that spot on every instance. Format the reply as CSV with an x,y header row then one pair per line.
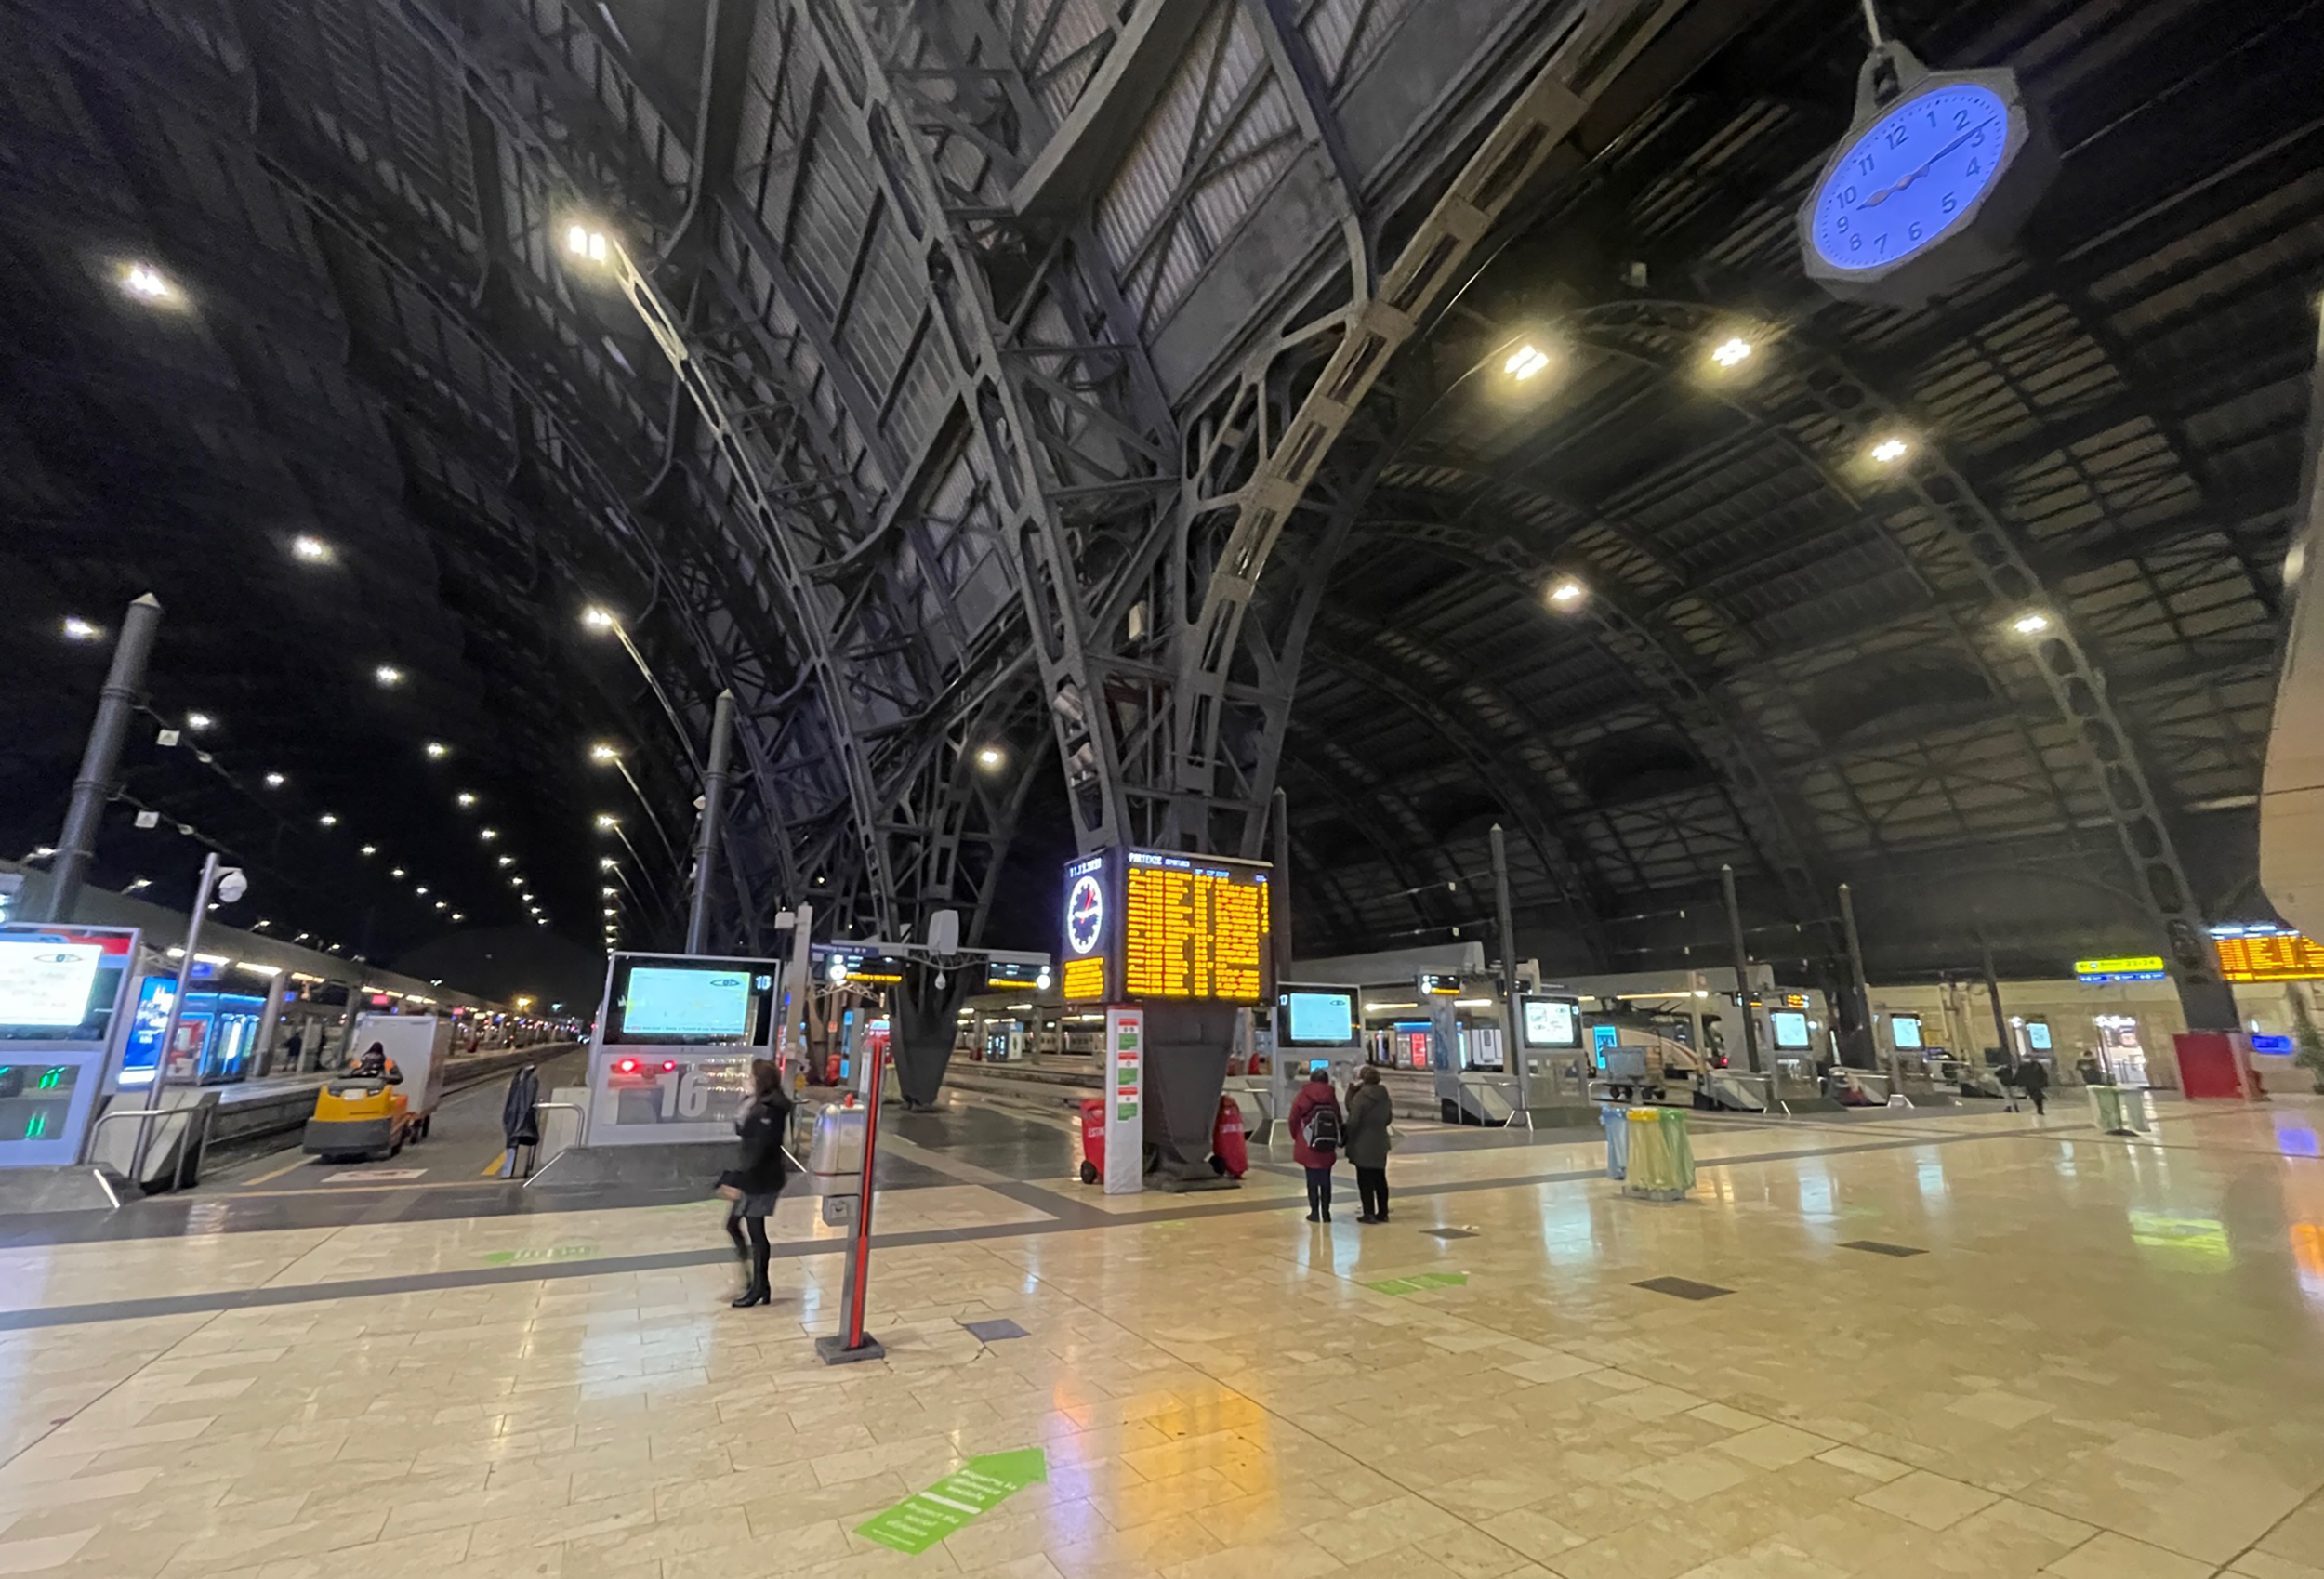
x,y
1323,1126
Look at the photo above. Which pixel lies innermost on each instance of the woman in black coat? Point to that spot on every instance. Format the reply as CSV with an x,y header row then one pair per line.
x,y
754,1185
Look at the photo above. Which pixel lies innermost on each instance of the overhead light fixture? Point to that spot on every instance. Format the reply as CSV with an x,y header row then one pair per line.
x,y
524,896
598,618
586,244
148,283
601,752
371,849
313,550
397,873
329,819
507,860
516,882
606,863
1889,451
607,820
464,800
137,883
990,757
607,892
199,721
440,905
1526,361
1567,593
78,629
2030,625
421,890
458,916
388,674
487,834
438,750
275,781
1732,352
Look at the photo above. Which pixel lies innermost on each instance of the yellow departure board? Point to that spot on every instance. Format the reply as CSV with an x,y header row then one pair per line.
x,y
1085,981
1194,926
2283,956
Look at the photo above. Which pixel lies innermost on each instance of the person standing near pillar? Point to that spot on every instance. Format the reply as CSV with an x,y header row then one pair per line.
x,y
1317,1129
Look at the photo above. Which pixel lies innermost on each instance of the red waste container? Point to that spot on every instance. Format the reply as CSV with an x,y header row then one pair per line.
x,y
1229,1154
1092,1139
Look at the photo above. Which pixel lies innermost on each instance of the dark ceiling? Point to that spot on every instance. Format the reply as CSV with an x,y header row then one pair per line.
x,y
1788,660
2125,399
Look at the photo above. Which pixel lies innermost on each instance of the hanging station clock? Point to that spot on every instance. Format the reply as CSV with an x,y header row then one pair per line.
x,y
1930,185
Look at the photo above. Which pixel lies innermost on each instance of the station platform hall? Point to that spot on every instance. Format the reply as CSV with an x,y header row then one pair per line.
x,y
1161,789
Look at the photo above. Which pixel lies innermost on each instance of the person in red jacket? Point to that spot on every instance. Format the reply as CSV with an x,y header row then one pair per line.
x,y
1316,1128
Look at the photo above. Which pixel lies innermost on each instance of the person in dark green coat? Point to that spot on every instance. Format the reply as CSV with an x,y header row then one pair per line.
x,y
1370,1111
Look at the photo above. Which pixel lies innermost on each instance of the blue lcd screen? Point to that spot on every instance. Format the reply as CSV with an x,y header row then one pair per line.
x,y
1319,1019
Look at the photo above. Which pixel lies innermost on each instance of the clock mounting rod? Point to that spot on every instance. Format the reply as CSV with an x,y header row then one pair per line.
x,y
1872,24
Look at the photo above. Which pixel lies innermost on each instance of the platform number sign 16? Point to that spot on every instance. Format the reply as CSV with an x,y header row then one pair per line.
x,y
1928,185
685,1095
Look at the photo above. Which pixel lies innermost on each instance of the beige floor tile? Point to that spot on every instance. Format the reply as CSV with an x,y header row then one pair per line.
x,y
2109,1556
1931,1501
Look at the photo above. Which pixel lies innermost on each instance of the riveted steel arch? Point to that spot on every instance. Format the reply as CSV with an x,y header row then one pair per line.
x,y
1848,414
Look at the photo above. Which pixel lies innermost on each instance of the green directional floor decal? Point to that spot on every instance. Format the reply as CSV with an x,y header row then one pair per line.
x,y
980,1485
539,1253
1419,1281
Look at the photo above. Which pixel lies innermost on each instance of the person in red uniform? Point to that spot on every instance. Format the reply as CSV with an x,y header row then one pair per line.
x,y
1316,1128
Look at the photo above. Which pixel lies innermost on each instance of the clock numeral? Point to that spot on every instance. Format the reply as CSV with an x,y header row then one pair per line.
x,y
1950,203
1961,119
1976,166
1864,165
1848,196
1840,224
1855,242
1913,230
1899,135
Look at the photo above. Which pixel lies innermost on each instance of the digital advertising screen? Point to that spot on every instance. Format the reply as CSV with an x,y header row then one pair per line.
x,y
1904,1033
673,1002
1153,924
149,1018
1551,1024
1791,1030
1314,1019
2037,1035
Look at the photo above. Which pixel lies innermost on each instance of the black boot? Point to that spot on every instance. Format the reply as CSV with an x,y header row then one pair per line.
x,y
757,1292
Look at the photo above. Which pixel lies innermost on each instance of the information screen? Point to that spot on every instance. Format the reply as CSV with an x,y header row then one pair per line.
x,y
712,1001
1143,924
1319,1019
2037,1035
1904,1032
1552,1022
1194,926
2285,956
46,984
1016,973
1791,1029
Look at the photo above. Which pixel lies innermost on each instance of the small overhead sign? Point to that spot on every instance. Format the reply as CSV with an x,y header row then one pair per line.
x,y
2134,968
1436,986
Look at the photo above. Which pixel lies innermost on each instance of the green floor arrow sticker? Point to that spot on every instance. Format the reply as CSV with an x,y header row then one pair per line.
x,y
1418,1282
980,1485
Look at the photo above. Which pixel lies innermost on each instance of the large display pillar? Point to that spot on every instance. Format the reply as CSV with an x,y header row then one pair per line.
x,y
1187,1047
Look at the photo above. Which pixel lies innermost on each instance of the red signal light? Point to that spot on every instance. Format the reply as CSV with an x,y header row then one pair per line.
x,y
627,1066
669,1066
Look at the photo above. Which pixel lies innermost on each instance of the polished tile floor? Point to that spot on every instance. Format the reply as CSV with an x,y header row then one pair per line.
x,y
1962,1345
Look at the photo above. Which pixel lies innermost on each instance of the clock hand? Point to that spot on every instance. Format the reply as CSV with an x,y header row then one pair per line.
x,y
1888,191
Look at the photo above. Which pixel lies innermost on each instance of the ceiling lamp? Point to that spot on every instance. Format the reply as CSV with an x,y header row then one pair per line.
x,y
78,629
1732,352
1889,451
1526,361
148,283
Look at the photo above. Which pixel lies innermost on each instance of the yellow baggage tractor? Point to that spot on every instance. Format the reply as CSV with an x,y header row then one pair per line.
x,y
363,1114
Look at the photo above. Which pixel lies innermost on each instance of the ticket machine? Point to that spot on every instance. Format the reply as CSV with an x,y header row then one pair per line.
x,y
63,991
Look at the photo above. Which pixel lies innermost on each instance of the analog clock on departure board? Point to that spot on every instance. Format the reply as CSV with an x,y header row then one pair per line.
x,y
1929,186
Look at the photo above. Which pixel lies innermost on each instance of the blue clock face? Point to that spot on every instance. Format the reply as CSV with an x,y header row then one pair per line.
x,y
1913,177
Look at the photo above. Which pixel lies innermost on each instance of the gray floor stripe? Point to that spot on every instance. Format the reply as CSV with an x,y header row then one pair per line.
x,y
1067,1215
